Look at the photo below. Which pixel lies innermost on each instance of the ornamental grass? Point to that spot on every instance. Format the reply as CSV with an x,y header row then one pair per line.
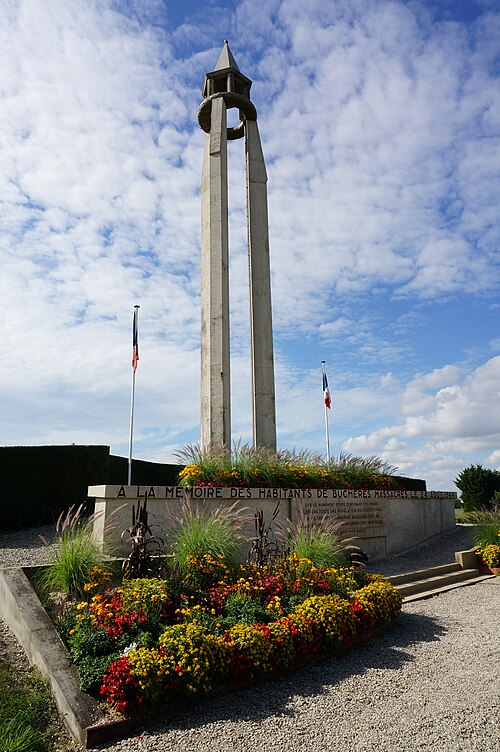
x,y
75,553
150,641
259,467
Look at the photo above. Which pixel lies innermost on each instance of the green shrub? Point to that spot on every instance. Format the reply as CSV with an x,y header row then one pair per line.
x,y
478,485
495,500
91,669
241,609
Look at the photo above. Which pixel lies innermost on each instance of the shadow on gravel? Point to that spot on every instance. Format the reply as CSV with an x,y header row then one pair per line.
x,y
385,652
27,539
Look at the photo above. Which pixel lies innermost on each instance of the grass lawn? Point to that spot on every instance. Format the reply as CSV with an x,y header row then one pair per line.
x,y
27,713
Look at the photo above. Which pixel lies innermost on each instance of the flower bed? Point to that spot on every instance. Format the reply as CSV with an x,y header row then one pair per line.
x,y
489,556
184,634
251,467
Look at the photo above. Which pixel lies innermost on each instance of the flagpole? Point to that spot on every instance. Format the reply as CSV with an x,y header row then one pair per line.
x,y
327,433
135,358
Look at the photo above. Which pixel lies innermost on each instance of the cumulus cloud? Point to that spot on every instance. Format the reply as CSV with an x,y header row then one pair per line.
x,y
450,419
380,125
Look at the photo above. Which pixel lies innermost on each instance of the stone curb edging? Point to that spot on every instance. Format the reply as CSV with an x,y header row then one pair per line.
x,y
22,611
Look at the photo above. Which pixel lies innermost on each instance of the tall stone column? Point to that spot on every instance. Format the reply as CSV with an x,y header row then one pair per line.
x,y
226,87
261,327
215,359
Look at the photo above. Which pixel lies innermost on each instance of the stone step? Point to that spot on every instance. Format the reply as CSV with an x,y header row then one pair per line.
x,y
423,574
434,581
423,583
437,590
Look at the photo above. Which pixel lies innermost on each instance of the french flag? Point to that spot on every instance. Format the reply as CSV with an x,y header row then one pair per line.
x,y
326,391
135,339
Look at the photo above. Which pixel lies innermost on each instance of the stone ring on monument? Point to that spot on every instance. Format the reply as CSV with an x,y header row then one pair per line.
x,y
231,99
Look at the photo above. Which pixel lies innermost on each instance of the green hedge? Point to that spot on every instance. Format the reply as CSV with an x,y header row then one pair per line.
x,y
39,482
411,484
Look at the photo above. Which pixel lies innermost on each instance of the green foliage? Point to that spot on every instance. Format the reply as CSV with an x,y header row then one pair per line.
x,y
89,642
93,650
74,555
319,548
91,669
241,609
495,500
199,531
487,523
55,476
52,478
260,467
25,713
478,485
318,539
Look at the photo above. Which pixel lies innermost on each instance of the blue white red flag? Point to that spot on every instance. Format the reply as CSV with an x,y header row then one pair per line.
x,y
326,391
135,339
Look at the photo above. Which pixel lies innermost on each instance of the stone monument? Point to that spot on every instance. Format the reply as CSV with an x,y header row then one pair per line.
x,y
225,88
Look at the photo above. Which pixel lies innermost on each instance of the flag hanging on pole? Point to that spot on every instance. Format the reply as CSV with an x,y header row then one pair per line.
x,y
135,339
326,391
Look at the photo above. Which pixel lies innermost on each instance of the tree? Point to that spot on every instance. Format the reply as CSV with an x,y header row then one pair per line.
x,y
477,485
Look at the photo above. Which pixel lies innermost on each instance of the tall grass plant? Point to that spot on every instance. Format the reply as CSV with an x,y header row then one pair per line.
x,y
202,531
487,523
75,552
318,539
25,713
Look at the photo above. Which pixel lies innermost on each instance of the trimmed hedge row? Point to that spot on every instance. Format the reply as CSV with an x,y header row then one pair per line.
x,y
39,482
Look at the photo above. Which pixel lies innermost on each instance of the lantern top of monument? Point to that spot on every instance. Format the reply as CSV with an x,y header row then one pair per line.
x,y
226,77
226,59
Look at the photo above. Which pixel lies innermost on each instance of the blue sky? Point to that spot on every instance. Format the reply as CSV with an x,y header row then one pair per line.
x,y
380,123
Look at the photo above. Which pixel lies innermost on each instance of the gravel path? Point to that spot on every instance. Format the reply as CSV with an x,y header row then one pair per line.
x,y
429,683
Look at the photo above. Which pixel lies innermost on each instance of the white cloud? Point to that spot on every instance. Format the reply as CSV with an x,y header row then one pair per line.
x,y
381,131
458,419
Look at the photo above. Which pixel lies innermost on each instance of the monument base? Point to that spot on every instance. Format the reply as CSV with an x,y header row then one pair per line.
x,y
383,522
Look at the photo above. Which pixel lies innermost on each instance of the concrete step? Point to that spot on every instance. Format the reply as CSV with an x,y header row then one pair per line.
x,y
424,574
432,582
437,590
424,583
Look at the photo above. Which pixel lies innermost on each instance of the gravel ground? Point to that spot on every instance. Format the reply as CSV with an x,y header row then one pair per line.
x,y
25,548
429,683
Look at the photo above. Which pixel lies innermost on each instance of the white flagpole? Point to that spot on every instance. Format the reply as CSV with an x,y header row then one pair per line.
x,y
135,357
327,433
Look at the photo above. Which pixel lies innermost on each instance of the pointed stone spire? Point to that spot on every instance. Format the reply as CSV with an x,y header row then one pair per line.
x,y
226,77
226,59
